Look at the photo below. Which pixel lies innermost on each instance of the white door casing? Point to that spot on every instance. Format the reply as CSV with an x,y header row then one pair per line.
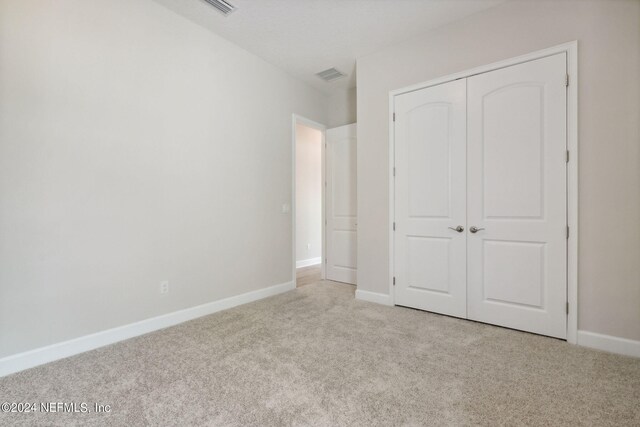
x,y
341,204
430,159
516,193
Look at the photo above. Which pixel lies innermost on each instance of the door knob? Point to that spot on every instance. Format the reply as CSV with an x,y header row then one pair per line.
x,y
474,229
459,229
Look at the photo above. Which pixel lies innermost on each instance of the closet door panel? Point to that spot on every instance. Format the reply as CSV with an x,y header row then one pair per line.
x,y
516,196
430,264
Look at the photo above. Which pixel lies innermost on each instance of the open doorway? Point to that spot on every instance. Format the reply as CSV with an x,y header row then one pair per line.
x,y
308,241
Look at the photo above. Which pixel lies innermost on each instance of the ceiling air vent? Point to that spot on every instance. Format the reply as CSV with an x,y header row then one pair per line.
x,y
330,75
222,6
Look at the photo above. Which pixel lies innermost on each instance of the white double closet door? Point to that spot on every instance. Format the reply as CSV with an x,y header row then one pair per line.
x,y
480,197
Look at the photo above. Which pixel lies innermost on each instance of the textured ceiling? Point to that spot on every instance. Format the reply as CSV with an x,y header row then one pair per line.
x,y
304,37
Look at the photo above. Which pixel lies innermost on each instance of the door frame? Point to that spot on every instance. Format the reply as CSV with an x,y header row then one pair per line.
x,y
298,119
571,50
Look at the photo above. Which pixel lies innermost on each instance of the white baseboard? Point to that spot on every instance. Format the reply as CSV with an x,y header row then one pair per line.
x,y
609,343
39,356
383,299
308,262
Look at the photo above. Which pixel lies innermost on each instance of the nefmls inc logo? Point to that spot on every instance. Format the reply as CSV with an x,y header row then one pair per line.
x,y
67,407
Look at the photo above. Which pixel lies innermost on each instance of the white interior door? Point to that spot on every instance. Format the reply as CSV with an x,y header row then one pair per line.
x,y
430,170
341,214
516,196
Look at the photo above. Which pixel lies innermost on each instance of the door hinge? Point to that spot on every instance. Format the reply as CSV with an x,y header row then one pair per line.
x,y
567,231
394,171
394,117
394,226
567,156
394,280
567,308
325,260
566,80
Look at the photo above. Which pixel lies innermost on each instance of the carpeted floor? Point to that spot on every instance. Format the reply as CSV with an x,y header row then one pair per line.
x,y
308,275
316,356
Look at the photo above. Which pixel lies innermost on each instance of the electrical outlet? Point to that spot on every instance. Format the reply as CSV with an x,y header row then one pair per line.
x,y
308,246
164,287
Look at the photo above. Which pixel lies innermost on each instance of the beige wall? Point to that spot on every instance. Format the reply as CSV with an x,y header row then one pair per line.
x,y
342,108
135,147
608,33
308,193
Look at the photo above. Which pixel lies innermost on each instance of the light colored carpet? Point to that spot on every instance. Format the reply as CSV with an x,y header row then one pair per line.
x,y
308,275
316,356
